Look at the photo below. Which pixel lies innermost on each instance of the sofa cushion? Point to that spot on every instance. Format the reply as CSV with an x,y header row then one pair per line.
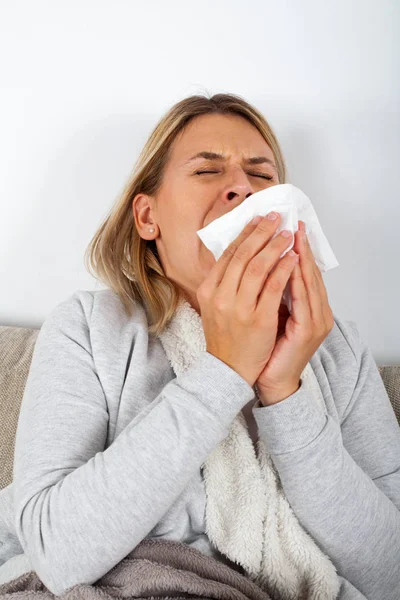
x,y
391,378
16,350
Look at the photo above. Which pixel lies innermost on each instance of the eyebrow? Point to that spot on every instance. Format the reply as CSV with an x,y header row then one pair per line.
x,y
254,160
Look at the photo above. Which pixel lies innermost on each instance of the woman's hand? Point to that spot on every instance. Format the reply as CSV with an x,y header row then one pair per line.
x,y
238,310
305,329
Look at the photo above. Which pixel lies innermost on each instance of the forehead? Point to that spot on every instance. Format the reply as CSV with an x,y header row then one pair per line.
x,y
230,135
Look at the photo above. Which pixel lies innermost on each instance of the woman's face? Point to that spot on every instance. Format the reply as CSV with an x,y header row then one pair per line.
x,y
188,200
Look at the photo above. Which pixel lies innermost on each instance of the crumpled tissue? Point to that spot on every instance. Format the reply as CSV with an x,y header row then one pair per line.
x,y
292,204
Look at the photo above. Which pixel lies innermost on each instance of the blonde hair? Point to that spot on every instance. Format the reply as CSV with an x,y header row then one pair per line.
x,y
117,255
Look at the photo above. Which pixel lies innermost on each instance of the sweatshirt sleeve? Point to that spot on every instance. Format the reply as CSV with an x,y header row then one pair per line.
x,y
80,508
343,481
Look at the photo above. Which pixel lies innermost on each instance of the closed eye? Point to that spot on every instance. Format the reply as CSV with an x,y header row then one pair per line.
x,y
252,174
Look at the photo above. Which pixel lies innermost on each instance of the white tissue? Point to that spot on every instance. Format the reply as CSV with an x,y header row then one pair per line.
x,y
292,205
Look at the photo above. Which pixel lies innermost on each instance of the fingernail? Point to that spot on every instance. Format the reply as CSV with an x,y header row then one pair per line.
x,y
257,220
302,226
272,216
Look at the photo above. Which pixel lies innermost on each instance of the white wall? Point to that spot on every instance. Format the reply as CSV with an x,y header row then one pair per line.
x,y
83,83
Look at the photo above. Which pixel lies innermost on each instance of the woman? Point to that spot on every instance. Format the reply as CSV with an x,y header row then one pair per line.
x,y
110,442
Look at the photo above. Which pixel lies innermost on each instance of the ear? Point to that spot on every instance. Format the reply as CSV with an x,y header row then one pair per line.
x,y
143,214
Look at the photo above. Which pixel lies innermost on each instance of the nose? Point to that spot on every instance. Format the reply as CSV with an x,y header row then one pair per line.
x,y
236,192
235,195
237,187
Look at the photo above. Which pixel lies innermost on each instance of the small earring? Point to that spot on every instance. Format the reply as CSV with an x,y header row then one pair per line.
x,y
151,230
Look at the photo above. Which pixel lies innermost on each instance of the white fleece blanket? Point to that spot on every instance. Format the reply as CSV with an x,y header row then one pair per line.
x,y
248,517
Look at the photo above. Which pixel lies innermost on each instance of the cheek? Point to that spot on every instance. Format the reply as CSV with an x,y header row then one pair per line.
x,y
187,244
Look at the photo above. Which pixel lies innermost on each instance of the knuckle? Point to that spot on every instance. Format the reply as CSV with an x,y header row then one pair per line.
x,y
265,226
286,265
274,285
203,293
220,303
313,283
230,251
308,335
318,274
242,315
257,266
319,323
241,253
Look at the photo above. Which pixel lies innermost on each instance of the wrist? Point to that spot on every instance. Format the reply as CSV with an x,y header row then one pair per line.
x,y
267,396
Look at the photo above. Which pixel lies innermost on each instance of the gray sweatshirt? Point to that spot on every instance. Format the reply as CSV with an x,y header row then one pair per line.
x,y
110,444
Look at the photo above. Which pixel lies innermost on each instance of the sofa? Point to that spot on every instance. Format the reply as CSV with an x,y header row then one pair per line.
x,y
16,349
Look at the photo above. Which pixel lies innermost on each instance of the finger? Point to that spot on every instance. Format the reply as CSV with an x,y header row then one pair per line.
x,y
302,228
308,269
301,310
317,270
270,298
220,267
326,309
255,270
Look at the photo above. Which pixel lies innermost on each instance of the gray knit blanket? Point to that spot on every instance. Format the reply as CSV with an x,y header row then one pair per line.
x,y
154,570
